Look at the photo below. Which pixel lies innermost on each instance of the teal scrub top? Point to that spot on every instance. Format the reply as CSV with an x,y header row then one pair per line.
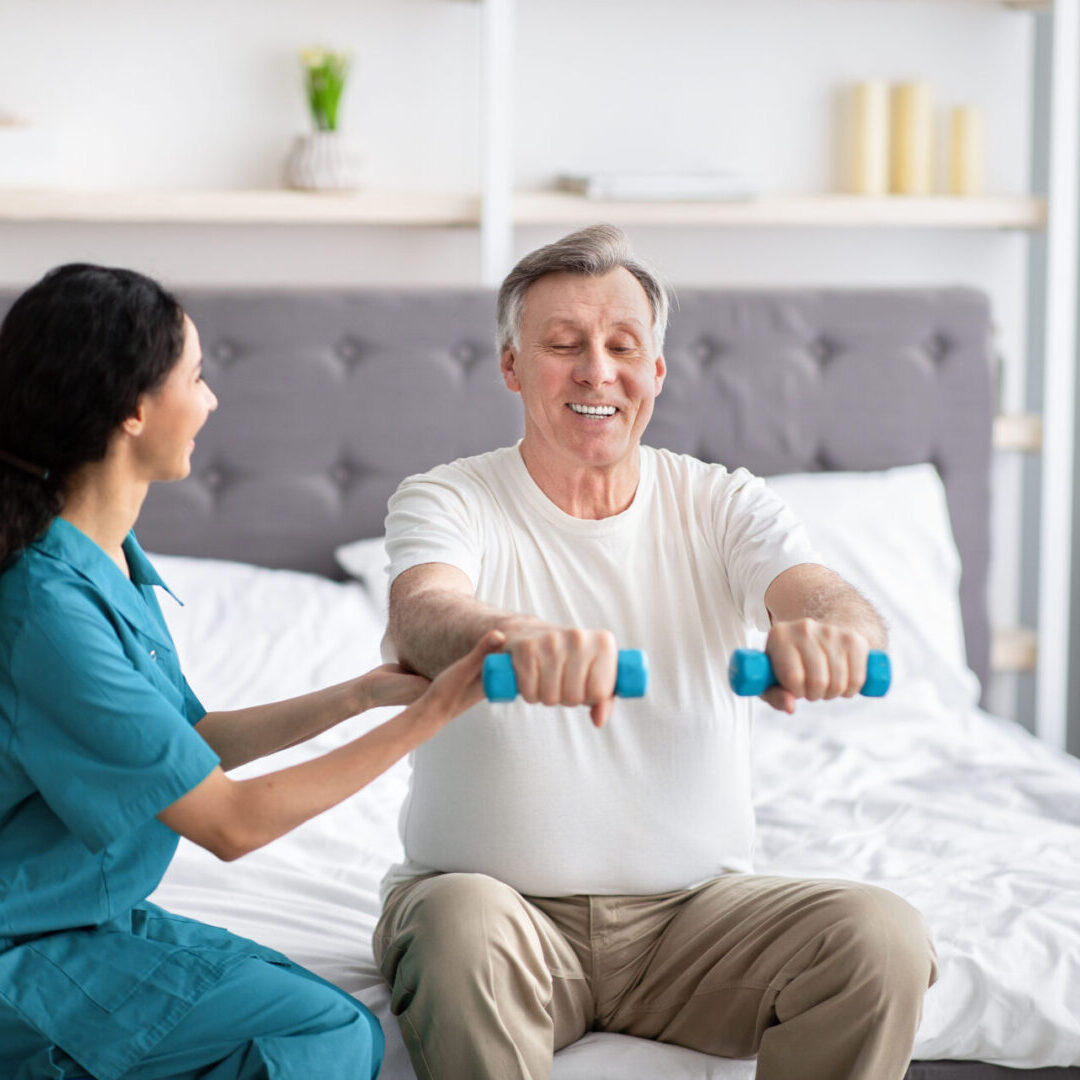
x,y
96,738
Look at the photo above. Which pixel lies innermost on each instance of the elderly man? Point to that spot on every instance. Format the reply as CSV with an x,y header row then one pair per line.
x,y
563,877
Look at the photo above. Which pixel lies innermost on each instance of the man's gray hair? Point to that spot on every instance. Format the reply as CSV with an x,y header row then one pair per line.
x,y
594,251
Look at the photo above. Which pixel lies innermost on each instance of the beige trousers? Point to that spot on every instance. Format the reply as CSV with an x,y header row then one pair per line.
x,y
823,980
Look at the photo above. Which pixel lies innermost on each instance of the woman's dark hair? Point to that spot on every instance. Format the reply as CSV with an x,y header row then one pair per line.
x,y
76,352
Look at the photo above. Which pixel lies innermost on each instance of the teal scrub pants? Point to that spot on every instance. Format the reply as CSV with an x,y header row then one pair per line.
x,y
261,1022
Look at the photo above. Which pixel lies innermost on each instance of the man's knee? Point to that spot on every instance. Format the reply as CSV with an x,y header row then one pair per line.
x,y
452,927
880,942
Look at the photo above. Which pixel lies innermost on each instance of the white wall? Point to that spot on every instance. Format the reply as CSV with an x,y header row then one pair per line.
x,y
155,94
206,93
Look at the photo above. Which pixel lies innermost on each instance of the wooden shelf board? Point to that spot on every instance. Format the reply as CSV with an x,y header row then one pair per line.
x,y
936,211
238,207
1022,5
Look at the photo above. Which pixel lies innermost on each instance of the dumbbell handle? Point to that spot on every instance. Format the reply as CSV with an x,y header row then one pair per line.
x,y
500,683
751,673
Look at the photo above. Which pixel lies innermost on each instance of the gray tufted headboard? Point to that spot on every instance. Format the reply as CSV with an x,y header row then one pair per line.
x,y
328,399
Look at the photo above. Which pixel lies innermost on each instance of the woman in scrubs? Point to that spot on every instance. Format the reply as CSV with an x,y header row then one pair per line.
x,y
106,755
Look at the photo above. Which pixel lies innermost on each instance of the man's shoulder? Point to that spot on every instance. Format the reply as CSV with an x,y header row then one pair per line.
x,y
670,465
477,466
705,489
466,483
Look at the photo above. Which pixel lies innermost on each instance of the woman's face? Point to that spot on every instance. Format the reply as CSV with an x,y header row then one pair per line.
x,y
173,414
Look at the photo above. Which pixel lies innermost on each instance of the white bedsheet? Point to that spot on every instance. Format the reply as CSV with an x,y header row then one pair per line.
x,y
965,815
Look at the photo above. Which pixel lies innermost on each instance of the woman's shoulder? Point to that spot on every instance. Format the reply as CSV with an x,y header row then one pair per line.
x,y
38,590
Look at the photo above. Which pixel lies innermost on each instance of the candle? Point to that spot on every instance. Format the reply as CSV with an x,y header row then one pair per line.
x,y
965,151
869,138
912,139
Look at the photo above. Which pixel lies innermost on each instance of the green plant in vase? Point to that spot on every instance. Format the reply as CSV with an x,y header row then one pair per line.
x,y
321,160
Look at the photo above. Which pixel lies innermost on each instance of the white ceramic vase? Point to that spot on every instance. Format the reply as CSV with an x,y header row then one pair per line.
x,y
322,161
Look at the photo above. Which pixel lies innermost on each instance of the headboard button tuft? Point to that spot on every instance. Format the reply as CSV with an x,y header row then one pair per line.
x,y
823,350
706,351
346,474
937,347
467,355
349,351
223,352
214,478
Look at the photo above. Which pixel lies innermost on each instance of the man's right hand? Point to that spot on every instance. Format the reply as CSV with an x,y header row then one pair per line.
x,y
555,666
435,619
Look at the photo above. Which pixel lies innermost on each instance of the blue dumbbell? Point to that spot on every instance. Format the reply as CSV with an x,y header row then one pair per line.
x,y
632,679
751,673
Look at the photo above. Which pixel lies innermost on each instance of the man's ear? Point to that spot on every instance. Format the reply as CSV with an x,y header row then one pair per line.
x,y
508,366
661,373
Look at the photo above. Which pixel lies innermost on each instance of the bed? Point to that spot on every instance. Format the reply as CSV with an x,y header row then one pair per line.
x,y
870,409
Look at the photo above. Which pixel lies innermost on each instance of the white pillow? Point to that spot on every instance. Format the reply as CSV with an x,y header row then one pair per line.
x,y
888,533
367,561
246,635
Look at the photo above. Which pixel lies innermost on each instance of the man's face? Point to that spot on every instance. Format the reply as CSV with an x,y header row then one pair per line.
x,y
586,369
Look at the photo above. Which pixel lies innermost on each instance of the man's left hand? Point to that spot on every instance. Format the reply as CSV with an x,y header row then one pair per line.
x,y
814,660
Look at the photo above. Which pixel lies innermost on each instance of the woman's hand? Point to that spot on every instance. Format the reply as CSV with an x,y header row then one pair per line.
x,y
233,817
391,684
460,686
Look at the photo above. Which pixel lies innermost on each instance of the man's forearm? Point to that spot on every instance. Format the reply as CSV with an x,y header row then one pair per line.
x,y
815,592
433,627
840,604
435,618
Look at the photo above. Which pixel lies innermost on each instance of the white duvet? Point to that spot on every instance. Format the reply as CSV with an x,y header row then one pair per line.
x,y
965,815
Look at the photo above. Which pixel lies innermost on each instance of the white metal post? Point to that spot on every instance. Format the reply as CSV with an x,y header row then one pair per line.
x,y
496,139
1055,517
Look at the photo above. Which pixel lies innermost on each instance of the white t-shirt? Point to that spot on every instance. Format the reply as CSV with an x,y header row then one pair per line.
x,y
659,798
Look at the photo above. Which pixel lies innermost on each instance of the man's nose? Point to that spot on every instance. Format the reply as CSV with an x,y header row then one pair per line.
x,y
595,367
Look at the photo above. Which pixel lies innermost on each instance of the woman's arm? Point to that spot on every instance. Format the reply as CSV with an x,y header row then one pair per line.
x,y
232,817
243,735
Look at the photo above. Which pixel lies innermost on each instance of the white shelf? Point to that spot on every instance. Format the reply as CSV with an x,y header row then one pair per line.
x,y
1021,5
541,208
239,207
896,211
